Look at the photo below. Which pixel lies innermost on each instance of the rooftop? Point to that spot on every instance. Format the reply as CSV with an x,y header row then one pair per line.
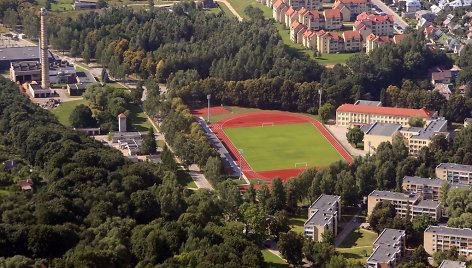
x,y
383,254
325,209
449,231
424,181
394,195
423,112
383,129
325,201
437,126
368,103
452,264
454,166
389,237
21,53
427,204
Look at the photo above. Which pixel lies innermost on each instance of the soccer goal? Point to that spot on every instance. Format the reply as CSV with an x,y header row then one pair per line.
x,y
301,165
267,124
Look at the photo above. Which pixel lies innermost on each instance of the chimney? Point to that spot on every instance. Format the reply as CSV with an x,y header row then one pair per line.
x,y
44,52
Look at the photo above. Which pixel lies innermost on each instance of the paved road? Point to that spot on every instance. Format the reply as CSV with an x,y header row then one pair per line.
x,y
231,9
340,134
348,227
398,20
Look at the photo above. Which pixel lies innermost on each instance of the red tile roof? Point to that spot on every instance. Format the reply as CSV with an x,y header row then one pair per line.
x,y
352,35
331,13
429,29
277,4
374,18
290,11
122,116
398,38
365,109
295,24
316,14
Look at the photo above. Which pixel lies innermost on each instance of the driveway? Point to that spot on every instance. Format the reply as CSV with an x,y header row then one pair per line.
x,y
340,134
386,9
348,228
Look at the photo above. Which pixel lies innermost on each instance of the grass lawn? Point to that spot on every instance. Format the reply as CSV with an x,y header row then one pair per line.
x,y
5,192
358,254
240,5
138,118
215,10
185,179
272,260
226,10
82,65
65,109
359,238
296,223
80,69
161,143
333,58
258,181
281,146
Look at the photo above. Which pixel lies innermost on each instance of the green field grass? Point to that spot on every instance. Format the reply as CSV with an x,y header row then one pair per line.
x,y
272,260
185,179
240,5
226,10
138,118
359,238
296,223
358,254
281,146
65,109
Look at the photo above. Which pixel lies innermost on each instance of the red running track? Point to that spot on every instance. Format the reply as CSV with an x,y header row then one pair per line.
x,y
277,118
213,111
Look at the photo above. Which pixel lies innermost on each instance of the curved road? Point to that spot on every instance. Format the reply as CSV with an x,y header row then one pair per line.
x,y
387,10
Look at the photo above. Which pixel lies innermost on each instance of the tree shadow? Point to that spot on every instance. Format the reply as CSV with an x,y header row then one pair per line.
x,y
351,239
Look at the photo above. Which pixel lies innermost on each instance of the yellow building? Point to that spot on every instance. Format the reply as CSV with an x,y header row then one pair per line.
x,y
324,214
389,249
454,173
440,238
402,201
351,115
378,133
428,188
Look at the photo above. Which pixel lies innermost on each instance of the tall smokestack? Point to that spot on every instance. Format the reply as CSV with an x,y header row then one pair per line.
x,y
44,52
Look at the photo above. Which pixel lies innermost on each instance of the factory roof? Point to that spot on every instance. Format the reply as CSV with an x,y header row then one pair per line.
x,y
21,53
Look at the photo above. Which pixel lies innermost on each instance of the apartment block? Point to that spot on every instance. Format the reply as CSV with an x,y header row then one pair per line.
x,y
351,115
389,249
427,188
324,214
351,8
368,24
402,201
440,238
452,264
374,41
454,173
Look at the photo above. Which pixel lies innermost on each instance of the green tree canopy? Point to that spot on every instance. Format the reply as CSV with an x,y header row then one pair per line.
x,y
81,117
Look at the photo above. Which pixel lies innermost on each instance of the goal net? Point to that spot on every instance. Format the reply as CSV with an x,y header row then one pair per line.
x,y
267,124
301,165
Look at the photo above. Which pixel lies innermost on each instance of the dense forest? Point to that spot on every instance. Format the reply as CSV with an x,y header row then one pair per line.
x,y
97,209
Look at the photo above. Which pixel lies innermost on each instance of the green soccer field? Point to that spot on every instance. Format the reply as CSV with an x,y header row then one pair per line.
x,y
281,146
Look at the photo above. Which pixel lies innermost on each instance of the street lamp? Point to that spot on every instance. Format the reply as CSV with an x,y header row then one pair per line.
x,y
208,98
320,92
240,151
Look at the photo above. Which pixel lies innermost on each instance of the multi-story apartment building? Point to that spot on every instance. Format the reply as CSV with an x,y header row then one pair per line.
x,y
351,8
308,4
373,41
389,249
452,264
323,215
351,115
329,42
352,41
440,238
333,19
295,28
428,188
368,24
454,173
278,11
402,202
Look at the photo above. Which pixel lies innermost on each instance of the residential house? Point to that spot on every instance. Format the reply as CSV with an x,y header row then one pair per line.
x,y
378,25
26,185
389,249
412,6
425,14
351,8
442,238
350,115
443,89
404,203
323,215
439,75
435,9
428,31
452,264
455,173
448,20
423,23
